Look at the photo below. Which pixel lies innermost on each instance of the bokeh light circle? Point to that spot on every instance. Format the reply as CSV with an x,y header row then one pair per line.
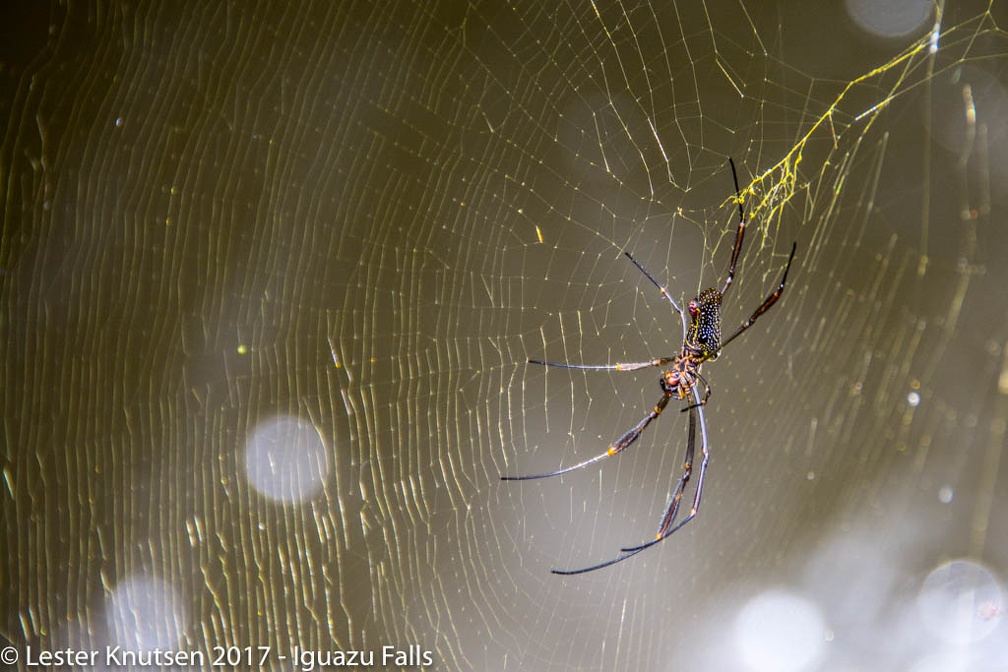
x,y
779,631
286,460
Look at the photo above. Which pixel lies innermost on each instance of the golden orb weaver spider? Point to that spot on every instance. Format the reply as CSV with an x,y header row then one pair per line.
x,y
701,342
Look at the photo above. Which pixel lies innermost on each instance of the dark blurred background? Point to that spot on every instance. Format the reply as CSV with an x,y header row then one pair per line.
x,y
271,273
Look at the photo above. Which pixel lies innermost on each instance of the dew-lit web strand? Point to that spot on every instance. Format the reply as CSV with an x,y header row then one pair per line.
x,y
614,108
649,114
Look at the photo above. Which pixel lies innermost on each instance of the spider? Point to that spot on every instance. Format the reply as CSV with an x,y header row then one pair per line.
x,y
701,342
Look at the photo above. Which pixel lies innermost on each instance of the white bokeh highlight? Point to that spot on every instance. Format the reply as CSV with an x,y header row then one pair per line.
x,y
779,631
143,613
959,602
286,459
890,19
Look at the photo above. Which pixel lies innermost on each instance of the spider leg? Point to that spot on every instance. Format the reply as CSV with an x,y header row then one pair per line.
x,y
664,292
737,250
615,448
706,396
672,510
584,570
620,366
667,528
767,303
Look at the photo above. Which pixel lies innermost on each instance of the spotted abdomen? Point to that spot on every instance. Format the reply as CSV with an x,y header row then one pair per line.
x,y
704,334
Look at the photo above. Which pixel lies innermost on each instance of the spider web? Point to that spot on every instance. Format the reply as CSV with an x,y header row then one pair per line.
x,y
271,275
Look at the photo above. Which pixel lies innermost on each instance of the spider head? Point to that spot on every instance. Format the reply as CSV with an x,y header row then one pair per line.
x,y
704,333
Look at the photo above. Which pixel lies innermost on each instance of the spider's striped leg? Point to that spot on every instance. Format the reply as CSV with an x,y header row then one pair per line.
x,y
668,525
619,366
615,448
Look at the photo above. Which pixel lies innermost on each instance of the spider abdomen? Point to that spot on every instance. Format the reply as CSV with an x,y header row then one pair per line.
x,y
704,335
